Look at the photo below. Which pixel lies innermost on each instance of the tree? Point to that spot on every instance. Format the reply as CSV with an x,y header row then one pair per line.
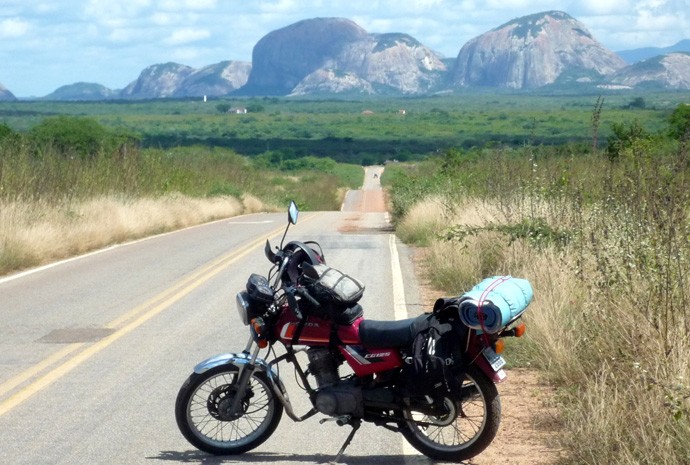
x,y
624,137
680,121
70,134
5,131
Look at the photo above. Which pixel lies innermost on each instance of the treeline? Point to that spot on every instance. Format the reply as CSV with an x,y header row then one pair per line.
x,y
71,157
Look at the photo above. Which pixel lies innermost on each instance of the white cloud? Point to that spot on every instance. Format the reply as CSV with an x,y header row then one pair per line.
x,y
186,5
187,35
13,28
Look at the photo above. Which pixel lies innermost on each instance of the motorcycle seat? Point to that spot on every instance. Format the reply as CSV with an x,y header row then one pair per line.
x,y
400,333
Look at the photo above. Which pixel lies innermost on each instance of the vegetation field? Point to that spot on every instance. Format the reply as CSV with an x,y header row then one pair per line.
x,y
363,131
604,238
585,196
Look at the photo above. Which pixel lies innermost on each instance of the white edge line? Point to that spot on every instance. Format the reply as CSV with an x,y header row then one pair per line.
x,y
399,310
399,304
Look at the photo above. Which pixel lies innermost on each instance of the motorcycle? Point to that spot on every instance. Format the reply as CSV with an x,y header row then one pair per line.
x,y
430,377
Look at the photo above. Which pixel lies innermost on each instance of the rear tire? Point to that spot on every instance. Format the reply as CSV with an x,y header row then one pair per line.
x,y
467,425
203,416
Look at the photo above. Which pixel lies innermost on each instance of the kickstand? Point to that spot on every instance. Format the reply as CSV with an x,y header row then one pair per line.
x,y
355,426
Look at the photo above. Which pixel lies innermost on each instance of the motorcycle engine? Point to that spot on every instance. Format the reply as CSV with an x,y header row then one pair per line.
x,y
334,397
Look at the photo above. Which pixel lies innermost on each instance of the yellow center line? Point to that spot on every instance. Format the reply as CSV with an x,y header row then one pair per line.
x,y
138,316
40,366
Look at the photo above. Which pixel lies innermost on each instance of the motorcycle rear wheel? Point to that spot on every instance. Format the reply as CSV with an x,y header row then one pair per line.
x,y
466,427
203,416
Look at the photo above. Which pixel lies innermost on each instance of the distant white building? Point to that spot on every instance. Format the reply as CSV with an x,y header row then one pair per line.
x,y
238,111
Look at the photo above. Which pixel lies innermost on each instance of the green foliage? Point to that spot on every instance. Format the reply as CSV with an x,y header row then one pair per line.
x,y
5,131
626,137
535,231
223,107
637,102
336,128
76,135
679,122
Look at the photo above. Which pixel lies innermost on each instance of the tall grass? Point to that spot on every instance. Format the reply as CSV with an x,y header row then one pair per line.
x,y
56,203
606,244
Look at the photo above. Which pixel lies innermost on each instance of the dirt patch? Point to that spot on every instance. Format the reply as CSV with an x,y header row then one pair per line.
x,y
527,435
374,201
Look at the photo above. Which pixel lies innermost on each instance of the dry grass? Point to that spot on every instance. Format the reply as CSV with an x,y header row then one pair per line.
x,y
624,377
35,233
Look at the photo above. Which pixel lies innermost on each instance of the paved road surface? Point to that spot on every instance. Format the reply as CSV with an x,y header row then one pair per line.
x,y
93,350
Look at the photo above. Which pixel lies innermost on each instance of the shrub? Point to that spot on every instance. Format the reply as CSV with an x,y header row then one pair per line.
x,y
80,136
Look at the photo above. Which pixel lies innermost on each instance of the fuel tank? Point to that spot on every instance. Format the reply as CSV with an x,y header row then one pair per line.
x,y
318,332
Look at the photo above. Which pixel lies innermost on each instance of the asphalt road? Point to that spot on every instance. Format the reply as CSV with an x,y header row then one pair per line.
x,y
93,350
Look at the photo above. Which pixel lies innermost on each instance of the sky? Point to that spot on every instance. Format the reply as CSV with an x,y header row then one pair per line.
x,y
48,44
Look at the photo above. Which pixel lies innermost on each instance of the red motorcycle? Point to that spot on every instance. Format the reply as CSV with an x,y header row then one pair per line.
x,y
429,377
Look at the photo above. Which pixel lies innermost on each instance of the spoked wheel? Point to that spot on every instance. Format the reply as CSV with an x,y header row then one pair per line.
x,y
456,429
206,418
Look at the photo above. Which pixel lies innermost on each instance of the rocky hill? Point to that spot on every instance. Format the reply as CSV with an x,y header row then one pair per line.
x,y
6,94
335,55
215,80
531,52
639,54
82,91
670,71
176,80
162,80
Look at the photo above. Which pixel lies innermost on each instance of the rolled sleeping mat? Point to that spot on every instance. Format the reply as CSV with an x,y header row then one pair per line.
x,y
498,300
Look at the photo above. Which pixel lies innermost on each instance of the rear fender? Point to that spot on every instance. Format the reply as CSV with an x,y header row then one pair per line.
x,y
495,376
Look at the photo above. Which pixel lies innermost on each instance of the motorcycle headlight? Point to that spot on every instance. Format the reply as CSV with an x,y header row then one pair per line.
x,y
242,301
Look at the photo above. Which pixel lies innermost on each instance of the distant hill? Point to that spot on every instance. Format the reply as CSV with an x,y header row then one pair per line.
x,y
215,80
639,54
670,71
177,80
6,95
335,55
531,52
83,91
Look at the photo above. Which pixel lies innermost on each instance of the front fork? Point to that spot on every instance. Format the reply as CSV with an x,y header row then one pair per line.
x,y
245,373
247,362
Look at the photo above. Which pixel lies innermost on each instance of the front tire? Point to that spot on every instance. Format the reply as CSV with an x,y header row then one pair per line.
x,y
462,427
203,416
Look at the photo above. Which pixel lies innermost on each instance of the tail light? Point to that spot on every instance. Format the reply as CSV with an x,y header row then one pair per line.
x,y
520,330
499,346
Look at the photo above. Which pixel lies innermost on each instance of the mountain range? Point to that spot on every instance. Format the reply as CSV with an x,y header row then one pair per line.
x,y
336,56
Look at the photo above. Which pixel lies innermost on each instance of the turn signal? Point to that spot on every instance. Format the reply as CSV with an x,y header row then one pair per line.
x,y
258,326
520,330
499,346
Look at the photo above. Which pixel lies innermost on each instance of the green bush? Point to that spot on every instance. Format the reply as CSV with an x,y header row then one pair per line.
x,y
72,135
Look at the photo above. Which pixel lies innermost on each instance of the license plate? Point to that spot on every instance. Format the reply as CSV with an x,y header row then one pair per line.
x,y
496,361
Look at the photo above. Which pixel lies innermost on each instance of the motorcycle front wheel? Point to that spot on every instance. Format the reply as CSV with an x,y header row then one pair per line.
x,y
204,414
462,426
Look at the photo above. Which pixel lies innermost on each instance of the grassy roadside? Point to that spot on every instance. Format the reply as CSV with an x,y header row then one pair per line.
x,y
56,204
605,243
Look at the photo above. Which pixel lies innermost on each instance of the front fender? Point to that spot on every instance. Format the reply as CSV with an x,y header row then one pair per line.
x,y
238,360
242,359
